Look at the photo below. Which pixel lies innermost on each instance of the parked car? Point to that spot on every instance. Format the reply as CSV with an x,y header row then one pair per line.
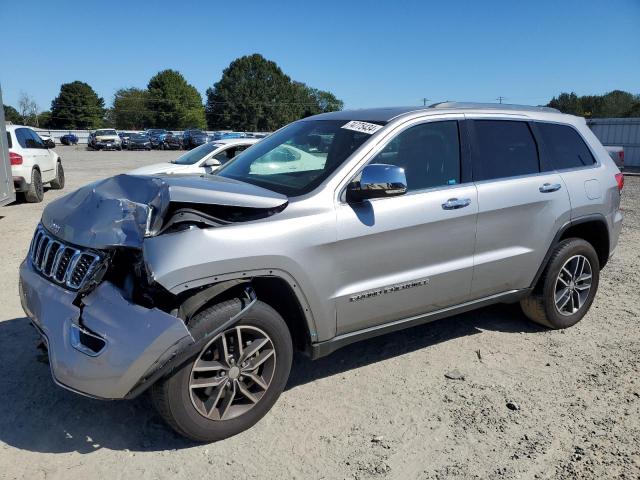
x,y
194,138
203,159
226,135
104,139
124,139
69,139
33,164
200,287
48,140
173,141
617,154
157,137
138,141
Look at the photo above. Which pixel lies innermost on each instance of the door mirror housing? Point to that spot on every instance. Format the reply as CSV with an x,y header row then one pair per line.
x,y
378,180
212,162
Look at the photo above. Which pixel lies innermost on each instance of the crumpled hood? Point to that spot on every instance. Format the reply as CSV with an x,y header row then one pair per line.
x,y
116,211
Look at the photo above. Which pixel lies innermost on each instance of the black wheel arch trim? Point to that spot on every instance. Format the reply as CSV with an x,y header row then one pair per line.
x,y
595,217
187,353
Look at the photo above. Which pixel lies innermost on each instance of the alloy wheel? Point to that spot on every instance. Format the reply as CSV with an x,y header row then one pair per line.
x,y
573,285
232,373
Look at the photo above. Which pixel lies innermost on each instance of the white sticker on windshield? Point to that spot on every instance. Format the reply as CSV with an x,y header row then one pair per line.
x,y
363,127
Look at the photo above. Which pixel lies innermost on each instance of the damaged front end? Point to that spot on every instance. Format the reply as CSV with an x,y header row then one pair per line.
x,y
111,331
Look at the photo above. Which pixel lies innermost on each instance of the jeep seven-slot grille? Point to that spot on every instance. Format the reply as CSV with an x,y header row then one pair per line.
x,y
64,264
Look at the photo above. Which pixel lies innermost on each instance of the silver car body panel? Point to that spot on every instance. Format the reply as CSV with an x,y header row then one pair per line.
x,y
137,339
356,268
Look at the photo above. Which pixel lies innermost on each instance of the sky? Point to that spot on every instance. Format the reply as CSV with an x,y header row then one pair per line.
x,y
368,53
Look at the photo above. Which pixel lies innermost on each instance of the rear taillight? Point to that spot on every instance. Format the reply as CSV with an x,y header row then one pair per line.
x,y
620,181
621,155
15,159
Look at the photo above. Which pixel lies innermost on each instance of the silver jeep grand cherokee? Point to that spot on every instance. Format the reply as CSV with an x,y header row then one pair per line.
x,y
336,228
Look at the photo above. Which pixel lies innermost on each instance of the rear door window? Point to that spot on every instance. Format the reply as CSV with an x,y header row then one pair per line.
x,y
503,148
429,154
565,146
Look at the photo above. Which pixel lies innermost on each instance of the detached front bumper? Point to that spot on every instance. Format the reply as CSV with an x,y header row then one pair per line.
x,y
106,346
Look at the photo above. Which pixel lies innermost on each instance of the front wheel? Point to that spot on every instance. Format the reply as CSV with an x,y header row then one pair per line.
x,y
567,286
236,378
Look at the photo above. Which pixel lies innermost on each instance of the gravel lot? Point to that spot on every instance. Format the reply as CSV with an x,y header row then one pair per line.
x,y
383,408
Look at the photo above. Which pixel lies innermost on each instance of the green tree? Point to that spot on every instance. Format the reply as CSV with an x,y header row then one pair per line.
x,y
617,103
11,114
131,109
567,103
634,111
44,119
312,101
254,94
174,103
77,106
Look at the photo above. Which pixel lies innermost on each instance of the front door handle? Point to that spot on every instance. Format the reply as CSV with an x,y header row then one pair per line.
x,y
455,203
550,187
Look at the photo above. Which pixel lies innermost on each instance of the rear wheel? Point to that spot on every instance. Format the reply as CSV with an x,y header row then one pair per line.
x,y
35,193
235,379
567,287
58,182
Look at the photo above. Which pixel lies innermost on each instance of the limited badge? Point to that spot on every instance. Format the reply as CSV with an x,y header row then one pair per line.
x,y
363,127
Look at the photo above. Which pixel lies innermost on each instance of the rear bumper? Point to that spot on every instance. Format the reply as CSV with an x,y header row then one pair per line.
x,y
131,342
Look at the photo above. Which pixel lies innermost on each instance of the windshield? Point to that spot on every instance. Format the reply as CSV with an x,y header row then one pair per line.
x,y
195,155
195,132
298,158
137,136
156,131
105,132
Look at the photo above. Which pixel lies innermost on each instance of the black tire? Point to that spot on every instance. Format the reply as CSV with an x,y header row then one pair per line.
x,y
35,193
540,306
171,397
58,182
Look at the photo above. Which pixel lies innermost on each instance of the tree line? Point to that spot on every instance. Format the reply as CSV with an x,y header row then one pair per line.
x,y
615,104
254,94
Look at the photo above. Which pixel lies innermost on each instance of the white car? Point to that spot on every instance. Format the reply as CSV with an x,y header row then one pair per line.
x,y
32,163
104,139
203,159
48,140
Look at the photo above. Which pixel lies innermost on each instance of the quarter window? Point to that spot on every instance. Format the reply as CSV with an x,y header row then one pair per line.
x,y
566,146
23,136
504,148
429,154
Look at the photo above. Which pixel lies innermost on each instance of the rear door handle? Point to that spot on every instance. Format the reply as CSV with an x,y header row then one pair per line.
x,y
550,187
455,203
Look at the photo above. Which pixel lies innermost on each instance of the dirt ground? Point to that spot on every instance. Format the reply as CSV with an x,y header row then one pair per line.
x,y
382,408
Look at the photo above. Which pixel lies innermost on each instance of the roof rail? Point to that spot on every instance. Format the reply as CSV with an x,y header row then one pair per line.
x,y
496,106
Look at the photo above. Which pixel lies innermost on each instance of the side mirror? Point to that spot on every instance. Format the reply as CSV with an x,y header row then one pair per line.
x,y
378,181
50,143
212,162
